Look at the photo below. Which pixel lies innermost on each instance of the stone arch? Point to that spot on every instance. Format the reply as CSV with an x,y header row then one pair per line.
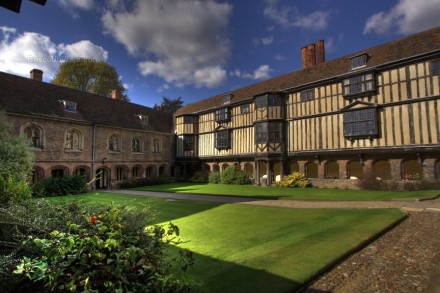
x,y
224,166
114,142
59,171
37,174
163,170
355,170
216,168
82,171
331,170
150,171
121,173
294,167
102,178
412,170
437,169
311,170
248,168
137,171
382,169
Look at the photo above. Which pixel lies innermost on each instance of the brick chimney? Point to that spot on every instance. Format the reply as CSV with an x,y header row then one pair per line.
x,y
320,52
37,74
313,54
116,95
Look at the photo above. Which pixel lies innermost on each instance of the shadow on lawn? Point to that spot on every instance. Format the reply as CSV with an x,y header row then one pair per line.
x,y
222,276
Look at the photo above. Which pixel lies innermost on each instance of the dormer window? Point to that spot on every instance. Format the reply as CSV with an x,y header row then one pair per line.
x,y
227,99
69,105
359,61
358,84
143,118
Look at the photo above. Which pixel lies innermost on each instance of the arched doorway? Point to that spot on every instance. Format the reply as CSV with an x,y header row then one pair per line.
x,y
412,170
355,170
332,170
102,178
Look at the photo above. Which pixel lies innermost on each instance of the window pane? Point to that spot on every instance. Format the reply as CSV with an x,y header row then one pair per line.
x,y
360,123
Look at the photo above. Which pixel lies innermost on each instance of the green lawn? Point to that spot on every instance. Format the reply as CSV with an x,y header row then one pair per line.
x,y
309,194
240,248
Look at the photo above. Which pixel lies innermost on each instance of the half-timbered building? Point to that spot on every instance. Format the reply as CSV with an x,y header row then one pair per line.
x,y
371,113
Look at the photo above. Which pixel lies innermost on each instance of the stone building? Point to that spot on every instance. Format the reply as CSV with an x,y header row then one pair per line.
x,y
371,113
72,132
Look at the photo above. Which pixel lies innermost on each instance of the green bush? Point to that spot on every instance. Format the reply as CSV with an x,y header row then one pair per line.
x,y
296,179
100,249
214,178
13,190
57,186
233,175
200,177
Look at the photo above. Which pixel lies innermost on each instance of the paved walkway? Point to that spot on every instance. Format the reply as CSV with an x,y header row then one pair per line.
x,y
406,205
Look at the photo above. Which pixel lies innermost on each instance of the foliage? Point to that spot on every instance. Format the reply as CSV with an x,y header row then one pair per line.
x,y
57,186
142,181
169,105
296,179
200,177
101,248
16,158
88,75
233,175
372,182
214,178
13,190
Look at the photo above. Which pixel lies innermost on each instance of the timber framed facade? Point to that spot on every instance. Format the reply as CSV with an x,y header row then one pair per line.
x,y
371,113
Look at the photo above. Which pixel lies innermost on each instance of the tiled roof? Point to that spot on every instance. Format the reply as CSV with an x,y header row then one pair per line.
x,y
30,97
413,45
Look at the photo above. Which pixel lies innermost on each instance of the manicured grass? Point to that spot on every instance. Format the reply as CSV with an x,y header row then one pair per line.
x,y
241,248
309,194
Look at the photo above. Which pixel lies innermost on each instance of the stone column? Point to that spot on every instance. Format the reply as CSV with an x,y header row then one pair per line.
x,y
396,169
302,166
257,172
321,170
343,165
429,169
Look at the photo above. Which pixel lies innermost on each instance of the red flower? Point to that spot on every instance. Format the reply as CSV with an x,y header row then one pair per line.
x,y
93,219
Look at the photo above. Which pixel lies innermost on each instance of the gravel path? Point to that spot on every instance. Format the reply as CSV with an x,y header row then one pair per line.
x,y
406,259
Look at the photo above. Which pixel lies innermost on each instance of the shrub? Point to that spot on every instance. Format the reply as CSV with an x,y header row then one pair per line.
x,y
233,175
13,190
100,248
296,179
214,178
57,186
200,177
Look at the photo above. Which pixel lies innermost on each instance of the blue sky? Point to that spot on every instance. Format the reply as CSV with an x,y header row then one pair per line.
x,y
195,49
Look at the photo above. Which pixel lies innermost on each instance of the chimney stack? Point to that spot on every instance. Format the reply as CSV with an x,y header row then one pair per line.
x,y
37,74
116,95
313,54
320,52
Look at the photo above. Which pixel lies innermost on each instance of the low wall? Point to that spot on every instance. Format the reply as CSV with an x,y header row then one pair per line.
x,y
334,183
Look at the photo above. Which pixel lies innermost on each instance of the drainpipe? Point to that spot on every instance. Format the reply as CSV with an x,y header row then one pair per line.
x,y
93,154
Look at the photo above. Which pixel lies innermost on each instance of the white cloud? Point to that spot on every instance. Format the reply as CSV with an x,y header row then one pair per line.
x,y
261,73
407,16
183,42
76,4
20,53
82,49
290,17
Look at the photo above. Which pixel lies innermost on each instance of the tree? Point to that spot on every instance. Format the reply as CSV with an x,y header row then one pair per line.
x,y
16,163
169,105
97,77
